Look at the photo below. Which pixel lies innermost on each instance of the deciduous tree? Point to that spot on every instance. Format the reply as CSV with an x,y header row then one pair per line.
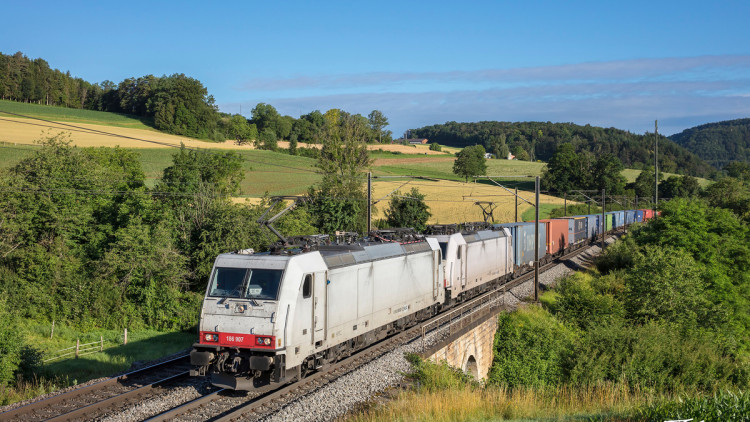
x,y
470,162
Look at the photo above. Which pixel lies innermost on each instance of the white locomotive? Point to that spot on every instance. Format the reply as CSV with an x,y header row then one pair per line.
x,y
269,319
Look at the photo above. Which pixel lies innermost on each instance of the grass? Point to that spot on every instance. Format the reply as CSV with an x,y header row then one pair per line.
x,y
75,115
497,403
441,393
632,174
143,345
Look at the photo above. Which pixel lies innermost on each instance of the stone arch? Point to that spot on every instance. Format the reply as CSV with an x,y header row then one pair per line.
x,y
471,367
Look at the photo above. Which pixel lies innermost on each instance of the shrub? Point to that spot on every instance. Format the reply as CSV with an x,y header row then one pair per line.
x,y
432,376
580,302
531,348
723,406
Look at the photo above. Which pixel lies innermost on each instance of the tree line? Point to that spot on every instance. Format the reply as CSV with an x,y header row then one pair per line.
x,y
175,104
718,143
539,140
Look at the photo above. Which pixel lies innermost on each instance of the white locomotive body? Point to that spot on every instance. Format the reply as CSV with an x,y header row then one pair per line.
x,y
272,318
473,261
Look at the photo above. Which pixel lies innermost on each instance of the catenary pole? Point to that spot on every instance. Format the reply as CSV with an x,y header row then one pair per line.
x,y
516,197
656,163
536,242
369,202
604,219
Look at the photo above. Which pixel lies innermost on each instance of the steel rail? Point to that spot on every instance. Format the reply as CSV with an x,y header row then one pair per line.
x,y
38,407
87,411
470,311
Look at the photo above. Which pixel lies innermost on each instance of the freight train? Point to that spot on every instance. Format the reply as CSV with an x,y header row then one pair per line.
x,y
271,318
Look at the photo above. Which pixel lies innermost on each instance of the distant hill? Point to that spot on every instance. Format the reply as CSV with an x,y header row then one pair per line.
x,y
718,143
540,140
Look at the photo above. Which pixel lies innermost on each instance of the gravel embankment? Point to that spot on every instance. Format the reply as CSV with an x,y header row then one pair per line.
x,y
360,386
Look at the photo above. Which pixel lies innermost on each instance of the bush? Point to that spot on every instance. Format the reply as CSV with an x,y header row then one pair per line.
x,y
656,355
532,348
435,147
581,301
431,376
619,256
665,284
724,406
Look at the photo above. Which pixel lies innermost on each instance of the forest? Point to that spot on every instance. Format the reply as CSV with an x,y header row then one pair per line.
x,y
539,141
718,143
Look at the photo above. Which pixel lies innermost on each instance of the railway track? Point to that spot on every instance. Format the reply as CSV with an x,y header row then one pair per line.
x,y
224,405
96,400
93,400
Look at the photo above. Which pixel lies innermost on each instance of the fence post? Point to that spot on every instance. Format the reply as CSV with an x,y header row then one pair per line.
x,y
125,337
101,343
52,331
78,346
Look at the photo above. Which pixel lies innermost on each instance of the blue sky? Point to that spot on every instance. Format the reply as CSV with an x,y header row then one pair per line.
x,y
612,64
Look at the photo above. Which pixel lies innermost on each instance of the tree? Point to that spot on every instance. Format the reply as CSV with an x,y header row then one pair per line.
x,y
470,162
435,147
679,187
240,130
265,117
607,174
378,122
267,140
564,172
338,203
521,154
408,211
644,183
738,170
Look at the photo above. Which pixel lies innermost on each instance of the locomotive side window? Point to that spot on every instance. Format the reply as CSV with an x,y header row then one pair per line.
x,y
307,287
246,283
443,248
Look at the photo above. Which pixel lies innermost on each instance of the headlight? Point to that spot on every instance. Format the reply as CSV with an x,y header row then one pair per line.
x,y
267,341
211,337
208,337
260,341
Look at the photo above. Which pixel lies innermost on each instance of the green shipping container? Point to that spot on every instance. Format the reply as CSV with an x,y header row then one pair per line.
x,y
608,223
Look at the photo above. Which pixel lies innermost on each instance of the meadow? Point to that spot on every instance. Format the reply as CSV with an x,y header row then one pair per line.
x,y
142,346
277,173
74,115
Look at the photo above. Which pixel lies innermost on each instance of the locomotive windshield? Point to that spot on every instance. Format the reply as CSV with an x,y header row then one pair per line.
x,y
246,283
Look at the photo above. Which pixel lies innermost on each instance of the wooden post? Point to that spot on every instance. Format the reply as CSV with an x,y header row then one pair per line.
x,y
52,331
101,343
125,337
78,346
565,209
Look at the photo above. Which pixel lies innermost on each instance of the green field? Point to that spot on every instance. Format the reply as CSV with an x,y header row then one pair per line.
x,y
74,115
632,174
278,173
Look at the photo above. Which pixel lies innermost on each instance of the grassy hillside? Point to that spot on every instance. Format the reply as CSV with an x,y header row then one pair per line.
x,y
74,115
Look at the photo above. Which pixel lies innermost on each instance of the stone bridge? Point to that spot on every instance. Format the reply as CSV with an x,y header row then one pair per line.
x,y
470,348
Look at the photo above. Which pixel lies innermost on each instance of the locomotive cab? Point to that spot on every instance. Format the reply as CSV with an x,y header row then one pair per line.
x,y
238,334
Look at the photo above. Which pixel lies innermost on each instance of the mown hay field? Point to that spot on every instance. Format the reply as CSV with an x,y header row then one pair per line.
x,y
455,202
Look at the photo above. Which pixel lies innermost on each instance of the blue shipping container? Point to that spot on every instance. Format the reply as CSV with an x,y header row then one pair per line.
x,y
523,241
639,216
629,216
593,226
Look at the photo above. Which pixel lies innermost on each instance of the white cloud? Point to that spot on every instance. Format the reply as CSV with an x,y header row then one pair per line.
x,y
680,92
